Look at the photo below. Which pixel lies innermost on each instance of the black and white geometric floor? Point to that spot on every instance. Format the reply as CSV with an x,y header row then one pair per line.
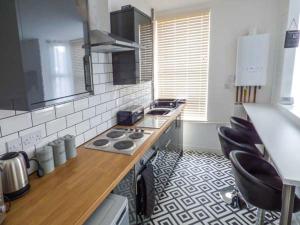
x,y
191,196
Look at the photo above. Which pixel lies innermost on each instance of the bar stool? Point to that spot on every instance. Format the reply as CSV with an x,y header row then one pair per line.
x,y
259,183
246,127
232,139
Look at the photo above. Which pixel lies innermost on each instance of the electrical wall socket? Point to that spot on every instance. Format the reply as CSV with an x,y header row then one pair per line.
x,y
14,145
30,140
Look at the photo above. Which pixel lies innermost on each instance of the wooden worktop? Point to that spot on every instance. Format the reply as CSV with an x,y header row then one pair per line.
x,y
71,193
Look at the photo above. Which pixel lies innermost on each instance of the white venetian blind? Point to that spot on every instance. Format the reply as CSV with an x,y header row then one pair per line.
x,y
146,63
182,62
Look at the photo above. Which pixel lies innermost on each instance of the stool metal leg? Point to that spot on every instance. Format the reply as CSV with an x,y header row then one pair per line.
x,y
227,194
260,217
288,195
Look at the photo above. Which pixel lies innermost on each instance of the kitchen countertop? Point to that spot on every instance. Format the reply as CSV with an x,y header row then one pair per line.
x,y
71,193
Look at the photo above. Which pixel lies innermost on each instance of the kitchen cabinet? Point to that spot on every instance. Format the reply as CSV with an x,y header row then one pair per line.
x,y
169,149
132,67
127,188
43,61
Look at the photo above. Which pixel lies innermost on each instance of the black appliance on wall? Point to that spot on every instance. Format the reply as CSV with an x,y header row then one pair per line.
x,y
45,56
132,67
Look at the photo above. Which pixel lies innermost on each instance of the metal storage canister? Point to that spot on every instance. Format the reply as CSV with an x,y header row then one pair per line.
x,y
59,152
70,146
45,157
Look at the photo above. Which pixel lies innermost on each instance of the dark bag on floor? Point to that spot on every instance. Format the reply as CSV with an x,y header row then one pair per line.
x,y
146,192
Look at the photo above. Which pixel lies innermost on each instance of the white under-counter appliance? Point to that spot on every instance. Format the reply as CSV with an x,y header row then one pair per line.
x,y
113,211
120,140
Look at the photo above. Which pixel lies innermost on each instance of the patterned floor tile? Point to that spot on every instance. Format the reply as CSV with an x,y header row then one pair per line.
x,y
191,196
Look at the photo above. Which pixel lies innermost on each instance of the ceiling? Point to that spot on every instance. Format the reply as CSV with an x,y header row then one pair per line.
x,y
160,5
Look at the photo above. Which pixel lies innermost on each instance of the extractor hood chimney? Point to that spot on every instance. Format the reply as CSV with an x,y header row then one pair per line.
x,y
101,40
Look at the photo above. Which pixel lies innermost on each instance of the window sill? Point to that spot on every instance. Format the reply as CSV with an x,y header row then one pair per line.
x,y
292,112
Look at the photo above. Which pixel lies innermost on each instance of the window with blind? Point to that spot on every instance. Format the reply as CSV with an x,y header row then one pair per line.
x,y
182,58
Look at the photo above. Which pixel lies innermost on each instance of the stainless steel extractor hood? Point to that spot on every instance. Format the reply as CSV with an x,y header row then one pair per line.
x,y
103,42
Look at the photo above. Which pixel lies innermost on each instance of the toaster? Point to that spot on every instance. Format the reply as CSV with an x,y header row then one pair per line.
x,y
130,115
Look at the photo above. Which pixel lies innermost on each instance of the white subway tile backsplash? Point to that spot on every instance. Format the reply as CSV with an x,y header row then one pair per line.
x,y
103,78
74,118
111,77
112,122
89,113
64,109
109,87
118,102
96,120
114,111
99,89
94,100
123,91
109,56
5,139
96,79
106,116
85,117
18,112
16,123
40,128
111,105
82,127
95,57
6,113
103,58
30,152
115,94
46,140
100,109
70,130
56,125
90,134
79,140
106,97
101,128
43,115
81,104
98,68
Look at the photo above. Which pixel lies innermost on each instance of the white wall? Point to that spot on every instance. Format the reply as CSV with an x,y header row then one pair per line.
x,y
229,20
283,84
202,136
140,4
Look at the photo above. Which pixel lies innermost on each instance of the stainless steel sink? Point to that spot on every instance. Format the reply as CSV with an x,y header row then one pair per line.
x,y
159,112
